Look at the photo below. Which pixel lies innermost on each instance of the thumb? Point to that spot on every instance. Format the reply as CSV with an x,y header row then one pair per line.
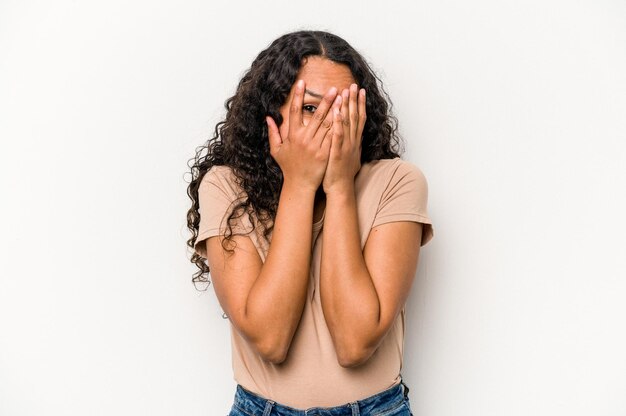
x,y
273,134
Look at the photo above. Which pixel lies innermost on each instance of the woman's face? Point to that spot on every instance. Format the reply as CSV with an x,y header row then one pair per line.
x,y
319,75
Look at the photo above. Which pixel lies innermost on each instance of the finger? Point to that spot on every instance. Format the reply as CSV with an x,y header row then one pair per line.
x,y
295,110
362,115
334,137
354,111
326,127
345,112
320,114
326,144
274,135
338,129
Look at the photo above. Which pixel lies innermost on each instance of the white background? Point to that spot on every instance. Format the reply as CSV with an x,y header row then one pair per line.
x,y
515,111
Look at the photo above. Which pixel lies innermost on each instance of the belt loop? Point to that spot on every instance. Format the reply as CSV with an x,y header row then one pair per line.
x,y
405,388
355,409
268,408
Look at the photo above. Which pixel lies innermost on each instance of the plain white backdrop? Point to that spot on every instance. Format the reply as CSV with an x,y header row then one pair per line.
x,y
514,110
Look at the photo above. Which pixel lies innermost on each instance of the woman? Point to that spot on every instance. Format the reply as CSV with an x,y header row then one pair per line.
x,y
311,226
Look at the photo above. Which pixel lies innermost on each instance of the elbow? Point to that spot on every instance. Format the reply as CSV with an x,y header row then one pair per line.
x,y
269,346
353,355
272,352
355,348
275,357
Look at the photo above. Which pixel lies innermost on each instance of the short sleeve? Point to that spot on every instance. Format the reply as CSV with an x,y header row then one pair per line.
x,y
218,194
405,198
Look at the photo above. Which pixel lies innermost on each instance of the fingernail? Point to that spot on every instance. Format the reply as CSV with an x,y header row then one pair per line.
x,y
300,84
333,91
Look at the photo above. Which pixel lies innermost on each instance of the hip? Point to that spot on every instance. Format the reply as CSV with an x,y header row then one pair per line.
x,y
391,402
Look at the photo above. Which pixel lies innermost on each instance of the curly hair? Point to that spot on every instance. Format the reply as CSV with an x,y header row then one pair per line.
x,y
240,141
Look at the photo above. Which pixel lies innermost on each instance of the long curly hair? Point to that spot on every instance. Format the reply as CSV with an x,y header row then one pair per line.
x,y
240,141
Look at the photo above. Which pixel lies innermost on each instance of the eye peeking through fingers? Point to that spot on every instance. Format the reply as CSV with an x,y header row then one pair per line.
x,y
309,108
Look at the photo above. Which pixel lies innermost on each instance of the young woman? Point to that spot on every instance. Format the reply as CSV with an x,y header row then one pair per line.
x,y
311,226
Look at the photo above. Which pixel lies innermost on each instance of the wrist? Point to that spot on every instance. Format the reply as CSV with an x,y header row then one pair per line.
x,y
340,188
299,188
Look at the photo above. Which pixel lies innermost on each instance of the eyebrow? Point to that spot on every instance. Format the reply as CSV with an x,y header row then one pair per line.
x,y
313,94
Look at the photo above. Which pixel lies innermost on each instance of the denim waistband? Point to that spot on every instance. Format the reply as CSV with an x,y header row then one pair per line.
x,y
391,398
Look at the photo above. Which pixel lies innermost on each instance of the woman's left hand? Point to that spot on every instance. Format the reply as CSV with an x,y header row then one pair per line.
x,y
345,152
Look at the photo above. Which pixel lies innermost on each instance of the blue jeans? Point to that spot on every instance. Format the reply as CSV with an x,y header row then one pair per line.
x,y
391,402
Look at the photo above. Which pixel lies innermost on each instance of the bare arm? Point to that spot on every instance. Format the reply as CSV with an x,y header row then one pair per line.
x,y
264,301
362,292
251,292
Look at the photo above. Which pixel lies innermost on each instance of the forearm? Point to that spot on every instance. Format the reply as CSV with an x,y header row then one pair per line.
x,y
349,299
276,299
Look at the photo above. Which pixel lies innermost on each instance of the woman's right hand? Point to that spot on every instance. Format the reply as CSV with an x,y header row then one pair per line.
x,y
302,153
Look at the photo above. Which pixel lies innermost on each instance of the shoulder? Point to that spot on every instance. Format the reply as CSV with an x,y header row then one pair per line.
x,y
391,171
220,178
219,173
390,166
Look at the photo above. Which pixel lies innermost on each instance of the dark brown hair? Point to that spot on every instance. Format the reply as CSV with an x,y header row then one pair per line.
x,y
240,141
